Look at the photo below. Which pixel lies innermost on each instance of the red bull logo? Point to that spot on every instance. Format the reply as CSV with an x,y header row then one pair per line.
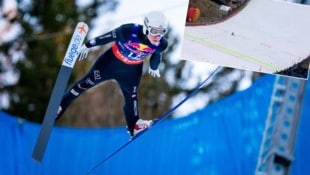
x,y
139,49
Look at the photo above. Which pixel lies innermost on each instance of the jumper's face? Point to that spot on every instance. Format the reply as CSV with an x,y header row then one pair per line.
x,y
154,39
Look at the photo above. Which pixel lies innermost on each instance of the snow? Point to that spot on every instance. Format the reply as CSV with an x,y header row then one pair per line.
x,y
273,42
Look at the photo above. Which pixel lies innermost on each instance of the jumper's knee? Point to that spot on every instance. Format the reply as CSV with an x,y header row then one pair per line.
x,y
77,90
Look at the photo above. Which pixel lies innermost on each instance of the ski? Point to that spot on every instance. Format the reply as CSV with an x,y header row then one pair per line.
x,y
63,76
164,116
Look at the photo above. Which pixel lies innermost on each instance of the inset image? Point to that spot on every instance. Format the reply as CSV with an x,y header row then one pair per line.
x,y
255,35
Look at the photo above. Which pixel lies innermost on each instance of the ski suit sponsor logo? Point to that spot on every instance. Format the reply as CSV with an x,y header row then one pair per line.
x,y
135,102
137,51
74,92
72,51
90,82
97,75
138,48
135,107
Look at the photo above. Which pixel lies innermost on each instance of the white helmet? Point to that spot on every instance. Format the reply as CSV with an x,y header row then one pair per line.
x,y
155,23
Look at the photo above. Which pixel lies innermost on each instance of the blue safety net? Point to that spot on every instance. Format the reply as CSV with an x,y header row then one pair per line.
x,y
221,139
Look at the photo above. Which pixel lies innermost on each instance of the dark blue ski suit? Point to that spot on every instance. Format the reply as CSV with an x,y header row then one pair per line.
x,y
122,62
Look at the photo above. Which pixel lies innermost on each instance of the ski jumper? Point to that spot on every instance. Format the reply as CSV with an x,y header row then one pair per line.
x,y
122,62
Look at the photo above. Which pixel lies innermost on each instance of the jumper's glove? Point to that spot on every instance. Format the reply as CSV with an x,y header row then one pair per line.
x,y
154,73
83,52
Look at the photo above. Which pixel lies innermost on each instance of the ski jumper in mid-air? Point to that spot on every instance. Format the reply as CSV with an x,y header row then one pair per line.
x,y
123,62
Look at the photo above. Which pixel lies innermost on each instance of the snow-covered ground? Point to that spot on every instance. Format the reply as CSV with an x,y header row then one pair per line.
x,y
262,37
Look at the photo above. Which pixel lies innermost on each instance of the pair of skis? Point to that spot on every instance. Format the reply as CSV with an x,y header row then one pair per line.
x,y
64,74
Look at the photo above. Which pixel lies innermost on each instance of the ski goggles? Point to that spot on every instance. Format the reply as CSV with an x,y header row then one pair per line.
x,y
154,31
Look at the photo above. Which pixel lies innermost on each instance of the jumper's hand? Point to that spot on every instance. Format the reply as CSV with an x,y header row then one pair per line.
x,y
83,52
154,73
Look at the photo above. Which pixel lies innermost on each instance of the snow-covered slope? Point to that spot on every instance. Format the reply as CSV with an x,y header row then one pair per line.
x,y
265,36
